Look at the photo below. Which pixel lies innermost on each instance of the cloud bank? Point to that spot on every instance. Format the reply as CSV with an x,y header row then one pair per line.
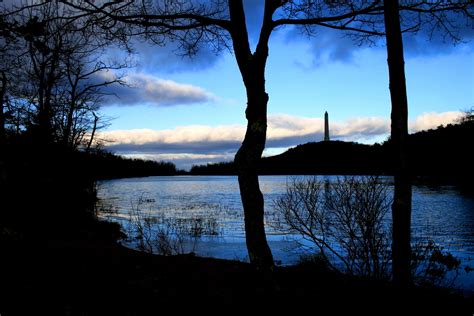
x,y
432,119
196,144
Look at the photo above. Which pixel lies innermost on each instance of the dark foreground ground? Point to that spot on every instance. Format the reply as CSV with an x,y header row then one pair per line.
x,y
89,276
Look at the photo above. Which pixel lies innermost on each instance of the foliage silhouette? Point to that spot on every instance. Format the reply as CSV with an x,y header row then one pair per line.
x,y
50,190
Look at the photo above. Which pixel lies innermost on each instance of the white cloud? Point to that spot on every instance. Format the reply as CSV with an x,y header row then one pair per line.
x,y
186,145
432,120
142,88
284,125
179,135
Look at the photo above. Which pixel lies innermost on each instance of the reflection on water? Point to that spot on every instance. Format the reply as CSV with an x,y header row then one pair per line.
x,y
439,213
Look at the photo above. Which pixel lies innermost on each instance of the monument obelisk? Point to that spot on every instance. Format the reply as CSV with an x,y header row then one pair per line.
x,y
326,126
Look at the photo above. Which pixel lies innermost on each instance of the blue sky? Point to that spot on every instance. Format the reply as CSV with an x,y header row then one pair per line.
x,y
191,111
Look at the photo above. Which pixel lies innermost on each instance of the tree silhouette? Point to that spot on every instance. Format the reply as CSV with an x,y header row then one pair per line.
x,y
401,207
434,15
52,75
417,15
222,24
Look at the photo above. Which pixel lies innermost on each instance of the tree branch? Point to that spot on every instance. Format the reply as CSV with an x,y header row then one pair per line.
x,y
156,20
320,20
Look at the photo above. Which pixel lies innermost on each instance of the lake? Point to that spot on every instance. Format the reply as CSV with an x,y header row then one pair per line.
x,y
439,213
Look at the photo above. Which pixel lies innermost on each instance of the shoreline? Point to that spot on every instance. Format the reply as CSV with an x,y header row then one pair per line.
x,y
87,276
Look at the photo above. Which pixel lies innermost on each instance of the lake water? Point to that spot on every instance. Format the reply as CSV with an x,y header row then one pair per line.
x,y
442,213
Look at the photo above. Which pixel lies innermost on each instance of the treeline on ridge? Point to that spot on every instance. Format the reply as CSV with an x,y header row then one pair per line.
x,y
443,153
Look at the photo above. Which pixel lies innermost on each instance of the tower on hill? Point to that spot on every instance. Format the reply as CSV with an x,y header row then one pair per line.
x,y
326,126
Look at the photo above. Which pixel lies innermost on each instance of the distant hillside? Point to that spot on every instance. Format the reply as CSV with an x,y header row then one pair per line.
x,y
22,159
444,152
105,165
332,157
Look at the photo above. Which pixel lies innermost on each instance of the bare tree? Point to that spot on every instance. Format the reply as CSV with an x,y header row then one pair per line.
x,y
5,38
41,67
344,219
82,90
222,24
8,45
62,75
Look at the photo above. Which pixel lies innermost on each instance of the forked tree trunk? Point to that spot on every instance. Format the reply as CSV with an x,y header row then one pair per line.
x,y
401,207
252,69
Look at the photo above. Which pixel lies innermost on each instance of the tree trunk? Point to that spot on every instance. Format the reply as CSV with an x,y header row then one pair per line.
x,y
401,207
94,128
252,69
48,76
3,91
43,119
247,159
3,170
67,141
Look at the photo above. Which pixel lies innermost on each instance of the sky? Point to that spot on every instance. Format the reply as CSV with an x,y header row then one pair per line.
x,y
191,111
